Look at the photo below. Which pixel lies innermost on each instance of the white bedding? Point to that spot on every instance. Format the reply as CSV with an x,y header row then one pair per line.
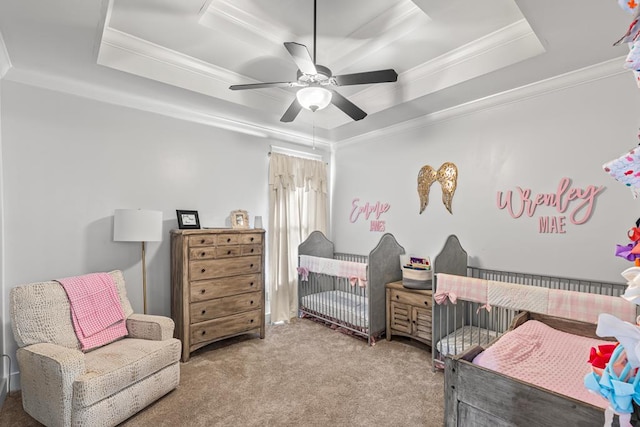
x,y
350,308
464,338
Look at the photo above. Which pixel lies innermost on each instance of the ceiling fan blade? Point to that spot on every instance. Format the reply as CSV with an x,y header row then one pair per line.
x,y
380,76
263,85
292,112
301,57
348,107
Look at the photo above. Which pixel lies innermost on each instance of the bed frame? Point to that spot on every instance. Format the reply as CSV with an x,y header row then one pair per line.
x,y
481,397
449,318
478,396
383,266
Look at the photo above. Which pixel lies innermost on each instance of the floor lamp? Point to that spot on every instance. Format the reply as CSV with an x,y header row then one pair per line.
x,y
137,225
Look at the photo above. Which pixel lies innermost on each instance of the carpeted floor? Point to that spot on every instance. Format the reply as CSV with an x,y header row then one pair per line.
x,y
301,374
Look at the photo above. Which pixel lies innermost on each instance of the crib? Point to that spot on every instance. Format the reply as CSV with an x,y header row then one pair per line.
x,y
347,291
468,323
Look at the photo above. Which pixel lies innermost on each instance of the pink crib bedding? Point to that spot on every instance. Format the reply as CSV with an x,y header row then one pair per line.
x,y
543,356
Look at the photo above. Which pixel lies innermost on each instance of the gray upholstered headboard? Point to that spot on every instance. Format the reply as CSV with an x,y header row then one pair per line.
x,y
452,259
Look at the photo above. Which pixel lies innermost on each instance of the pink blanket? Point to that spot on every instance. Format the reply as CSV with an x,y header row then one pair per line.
x,y
546,357
97,314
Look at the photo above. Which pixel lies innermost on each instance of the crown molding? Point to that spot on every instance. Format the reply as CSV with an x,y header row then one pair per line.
x,y
568,80
504,47
5,61
128,53
111,95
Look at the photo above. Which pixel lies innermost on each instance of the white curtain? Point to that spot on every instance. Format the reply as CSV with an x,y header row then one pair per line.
x,y
297,206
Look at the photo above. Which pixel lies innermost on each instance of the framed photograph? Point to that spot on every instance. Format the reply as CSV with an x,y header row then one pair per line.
x,y
239,219
188,220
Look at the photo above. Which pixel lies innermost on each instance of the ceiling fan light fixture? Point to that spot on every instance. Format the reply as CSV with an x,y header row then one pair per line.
x,y
314,98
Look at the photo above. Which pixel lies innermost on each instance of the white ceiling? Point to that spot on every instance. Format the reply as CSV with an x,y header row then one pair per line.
x,y
183,55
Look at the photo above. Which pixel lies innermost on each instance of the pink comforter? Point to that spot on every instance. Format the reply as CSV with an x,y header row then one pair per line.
x,y
545,357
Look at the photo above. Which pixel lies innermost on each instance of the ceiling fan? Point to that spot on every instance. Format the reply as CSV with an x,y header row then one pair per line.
x,y
315,82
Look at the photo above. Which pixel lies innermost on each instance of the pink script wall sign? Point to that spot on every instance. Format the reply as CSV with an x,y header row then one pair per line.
x,y
581,201
366,210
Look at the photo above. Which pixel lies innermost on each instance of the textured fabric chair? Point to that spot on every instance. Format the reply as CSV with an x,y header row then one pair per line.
x,y
62,386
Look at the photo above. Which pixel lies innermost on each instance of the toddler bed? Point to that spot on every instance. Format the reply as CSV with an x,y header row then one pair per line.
x,y
347,290
477,318
533,375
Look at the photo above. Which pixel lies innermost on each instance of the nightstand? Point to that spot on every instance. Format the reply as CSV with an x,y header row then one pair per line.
x,y
408,312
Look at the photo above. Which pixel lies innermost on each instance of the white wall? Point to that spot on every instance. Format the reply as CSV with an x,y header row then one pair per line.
x,y
532,143
69,162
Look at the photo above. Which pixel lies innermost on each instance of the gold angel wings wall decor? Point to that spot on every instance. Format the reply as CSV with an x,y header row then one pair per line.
x,y
446,175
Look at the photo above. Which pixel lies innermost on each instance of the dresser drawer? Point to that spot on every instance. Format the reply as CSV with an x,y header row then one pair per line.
x,y
251,249
217,288
248,239
218,328
201,240
414,299
214,268
221,307
227,239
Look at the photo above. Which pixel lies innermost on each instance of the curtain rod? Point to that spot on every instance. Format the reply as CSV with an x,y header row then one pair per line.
x,y
296,153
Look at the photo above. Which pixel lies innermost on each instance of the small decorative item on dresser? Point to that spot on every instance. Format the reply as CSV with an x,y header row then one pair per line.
x,y
188,219
239,219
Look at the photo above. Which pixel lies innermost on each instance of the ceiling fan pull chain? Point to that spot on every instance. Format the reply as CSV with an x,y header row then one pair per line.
x,y
314,31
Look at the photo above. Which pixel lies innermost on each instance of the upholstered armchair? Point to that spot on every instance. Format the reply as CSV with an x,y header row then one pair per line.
x,y
64,386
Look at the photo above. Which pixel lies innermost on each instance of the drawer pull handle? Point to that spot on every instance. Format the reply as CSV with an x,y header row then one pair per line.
x,y
397,296
204,311
228,239
251,321
426,303
251,266
251,284
252,239
204,332
203,270
251,302
228,252
251,250
202,241
203,254
203,291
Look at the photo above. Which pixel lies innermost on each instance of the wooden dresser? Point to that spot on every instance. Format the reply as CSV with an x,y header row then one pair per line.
x,y
217,281
408,312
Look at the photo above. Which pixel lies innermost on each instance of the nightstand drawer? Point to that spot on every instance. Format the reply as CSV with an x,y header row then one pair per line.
x,y
217,288
414,299
220,307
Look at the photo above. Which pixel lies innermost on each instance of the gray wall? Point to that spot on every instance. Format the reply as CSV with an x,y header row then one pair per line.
x,y
69,162
531,143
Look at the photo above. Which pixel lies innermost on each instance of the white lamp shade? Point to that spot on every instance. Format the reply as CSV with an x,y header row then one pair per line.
x,y
314,97
137,225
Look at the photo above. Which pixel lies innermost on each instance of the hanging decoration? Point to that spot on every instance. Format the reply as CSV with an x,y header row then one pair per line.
x,y
626,169
631,251
446,175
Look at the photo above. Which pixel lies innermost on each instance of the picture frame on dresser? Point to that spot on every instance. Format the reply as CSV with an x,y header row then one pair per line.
x,y
239,219
188,220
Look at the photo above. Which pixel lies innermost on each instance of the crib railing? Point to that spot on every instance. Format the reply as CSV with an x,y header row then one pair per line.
x,y
458,327
315,298
551,282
